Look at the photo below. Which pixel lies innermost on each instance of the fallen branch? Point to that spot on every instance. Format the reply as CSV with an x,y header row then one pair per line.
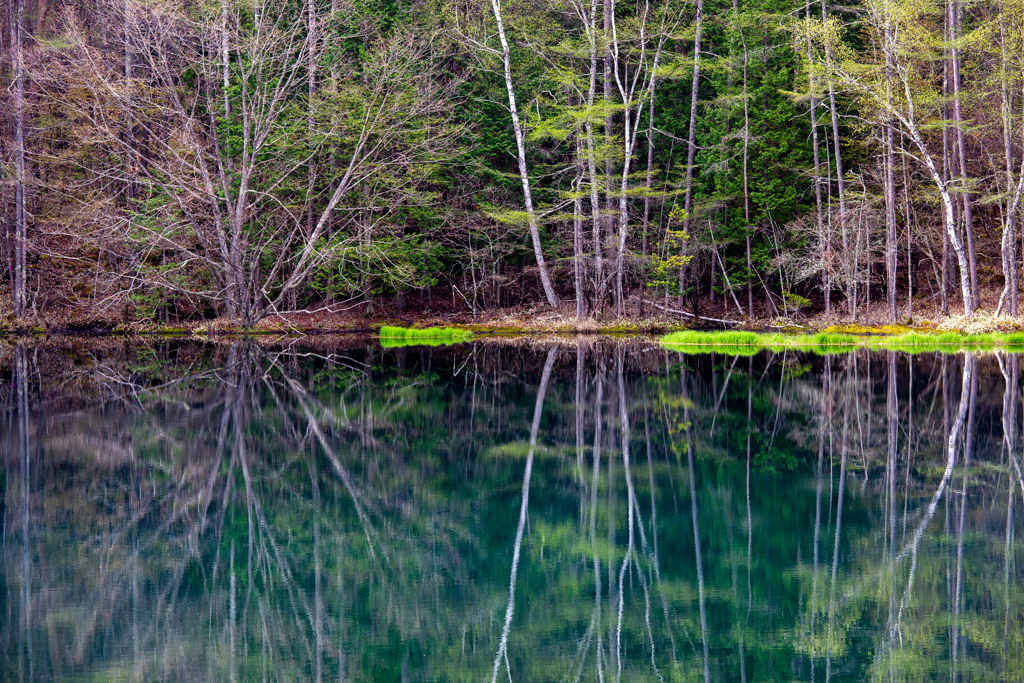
x,y
714,320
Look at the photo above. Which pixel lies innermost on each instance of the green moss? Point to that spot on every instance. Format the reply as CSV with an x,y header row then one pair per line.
x,y
391,337
835,342
693,337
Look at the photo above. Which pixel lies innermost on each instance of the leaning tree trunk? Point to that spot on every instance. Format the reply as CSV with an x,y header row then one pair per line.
x,y
538,253
958,121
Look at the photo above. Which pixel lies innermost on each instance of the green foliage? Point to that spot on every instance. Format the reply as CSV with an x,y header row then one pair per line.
x,y
795,302
667,267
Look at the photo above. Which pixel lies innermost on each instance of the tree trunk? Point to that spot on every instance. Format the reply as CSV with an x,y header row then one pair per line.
x,y
225,63
42,7
945,172
746,167
311,57
840,180
648,184
538,254
630,128
629,140
949,219
595,199
607,219
649,180
888,164
577,242
129,74
595,218
826,238
20,216
1009,242
691,138
890,221
958,121
909,124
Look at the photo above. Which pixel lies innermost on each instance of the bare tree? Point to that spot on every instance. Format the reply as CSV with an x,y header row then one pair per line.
x,y
216,173
911,102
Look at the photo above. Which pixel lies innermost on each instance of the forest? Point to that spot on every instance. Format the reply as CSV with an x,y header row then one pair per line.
x,y
607,159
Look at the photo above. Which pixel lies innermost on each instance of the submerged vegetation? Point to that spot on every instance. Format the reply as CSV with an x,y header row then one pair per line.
x,y
391,337
749,343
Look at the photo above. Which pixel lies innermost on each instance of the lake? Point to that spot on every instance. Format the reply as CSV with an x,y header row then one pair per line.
x,y
601,510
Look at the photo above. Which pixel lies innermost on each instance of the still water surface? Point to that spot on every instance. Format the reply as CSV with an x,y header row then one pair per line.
x,y
607,511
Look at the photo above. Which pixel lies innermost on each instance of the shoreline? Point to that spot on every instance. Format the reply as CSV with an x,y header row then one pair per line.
x,y
516,323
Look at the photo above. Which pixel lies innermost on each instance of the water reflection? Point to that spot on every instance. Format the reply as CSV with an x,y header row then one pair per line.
x,y
596,511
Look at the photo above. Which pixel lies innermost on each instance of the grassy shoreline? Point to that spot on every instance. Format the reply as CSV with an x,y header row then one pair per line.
x,y
983,331
749,343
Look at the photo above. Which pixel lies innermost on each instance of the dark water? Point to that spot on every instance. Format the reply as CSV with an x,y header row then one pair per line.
x,y
494,512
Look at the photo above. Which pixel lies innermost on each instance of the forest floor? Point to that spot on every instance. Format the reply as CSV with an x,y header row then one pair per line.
x,y
526,319
641,317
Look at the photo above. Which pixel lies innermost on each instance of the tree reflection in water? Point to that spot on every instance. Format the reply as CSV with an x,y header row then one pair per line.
x,y
585,511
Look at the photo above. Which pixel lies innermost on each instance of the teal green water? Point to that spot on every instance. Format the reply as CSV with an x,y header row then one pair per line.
x,y
609,511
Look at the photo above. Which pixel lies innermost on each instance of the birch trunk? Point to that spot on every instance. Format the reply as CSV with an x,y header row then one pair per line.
x,y
826,237
840,180
746,167
538,253
1009,241
577,242
945,171
609,123
595,200
692,140
958,120
890,183
890,222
